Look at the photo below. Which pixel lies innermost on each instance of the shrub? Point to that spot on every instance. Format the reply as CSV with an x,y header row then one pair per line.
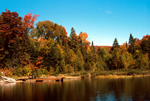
x,y
51,71
7,72
69,68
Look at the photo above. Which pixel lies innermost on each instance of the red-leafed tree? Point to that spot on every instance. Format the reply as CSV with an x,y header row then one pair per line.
x,y
11,27
11,31
29,20
14,39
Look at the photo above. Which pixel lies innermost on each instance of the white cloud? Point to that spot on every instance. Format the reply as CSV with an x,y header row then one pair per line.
x,y
108,12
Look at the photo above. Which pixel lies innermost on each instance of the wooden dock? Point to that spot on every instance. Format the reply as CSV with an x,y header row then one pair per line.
x,y
59,79
48,79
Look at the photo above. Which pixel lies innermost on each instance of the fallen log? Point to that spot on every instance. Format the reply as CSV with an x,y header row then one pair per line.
x,y
8,80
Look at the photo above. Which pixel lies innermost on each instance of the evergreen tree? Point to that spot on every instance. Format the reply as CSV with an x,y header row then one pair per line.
x,y
131,40
57,57
92,59
87,66
115,59
72,31
73,42
126,44
116,44
80,60
131,48
62,65
92,47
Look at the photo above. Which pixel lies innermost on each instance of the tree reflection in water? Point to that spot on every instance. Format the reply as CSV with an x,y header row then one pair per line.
x,y
79,90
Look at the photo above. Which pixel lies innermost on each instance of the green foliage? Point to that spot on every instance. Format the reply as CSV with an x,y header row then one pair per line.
x,y
101,65
145,45
92,47
126,60
142,60
116,44
62,65
41,71
73,41
69,68
115,59
48,29
79,60
131,40
131,48
87,66
51,70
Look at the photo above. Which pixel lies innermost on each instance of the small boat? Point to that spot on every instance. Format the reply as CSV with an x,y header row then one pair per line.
x,y
8,80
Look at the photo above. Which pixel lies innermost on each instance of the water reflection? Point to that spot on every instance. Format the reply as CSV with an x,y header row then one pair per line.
x,y
79,90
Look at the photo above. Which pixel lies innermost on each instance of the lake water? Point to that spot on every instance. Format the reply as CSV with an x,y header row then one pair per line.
x,y
79,90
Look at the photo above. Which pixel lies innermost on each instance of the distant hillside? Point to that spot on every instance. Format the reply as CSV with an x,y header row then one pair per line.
x,y
107,47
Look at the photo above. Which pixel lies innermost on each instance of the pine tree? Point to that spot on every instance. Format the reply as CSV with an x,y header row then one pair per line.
x,y
131,48
126,44
116,44
73,42
131,40
115,59
92,47
80,60
73,31
62,65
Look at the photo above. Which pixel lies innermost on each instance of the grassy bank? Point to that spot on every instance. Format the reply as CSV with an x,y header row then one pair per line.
x,y
121,73
112,73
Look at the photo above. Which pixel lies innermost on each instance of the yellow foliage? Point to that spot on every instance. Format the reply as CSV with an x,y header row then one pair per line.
x,y
69,68
51,71
61,50
28,70
83,37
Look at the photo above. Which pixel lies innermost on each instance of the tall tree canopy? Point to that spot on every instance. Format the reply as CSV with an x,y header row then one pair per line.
x,y
11,32
48,29
11,27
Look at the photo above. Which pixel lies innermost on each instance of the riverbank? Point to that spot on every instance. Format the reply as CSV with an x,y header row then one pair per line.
x,y
122,73
111,74
87,74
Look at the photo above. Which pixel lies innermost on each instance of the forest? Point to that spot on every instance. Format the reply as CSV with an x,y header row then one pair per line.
x,y
46,48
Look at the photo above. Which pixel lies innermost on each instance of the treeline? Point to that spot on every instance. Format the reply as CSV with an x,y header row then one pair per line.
x,y
47,49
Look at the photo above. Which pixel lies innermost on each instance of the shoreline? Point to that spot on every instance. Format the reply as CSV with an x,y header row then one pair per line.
x,y
69,78
110,74
121,76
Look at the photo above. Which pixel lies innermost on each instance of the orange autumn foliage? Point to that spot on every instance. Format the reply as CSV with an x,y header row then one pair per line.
x,y
137,41
83,37
39,62
7,72
65,30
124,45
146,37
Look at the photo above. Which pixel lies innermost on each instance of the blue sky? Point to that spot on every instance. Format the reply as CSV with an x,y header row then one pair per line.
x,y
103,20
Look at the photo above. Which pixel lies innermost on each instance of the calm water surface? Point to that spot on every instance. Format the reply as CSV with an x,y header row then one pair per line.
x,y
79,90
